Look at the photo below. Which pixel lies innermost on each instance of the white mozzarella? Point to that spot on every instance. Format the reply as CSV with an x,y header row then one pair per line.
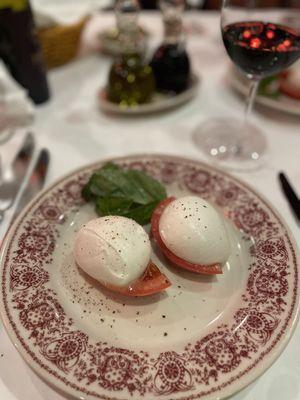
x,y
194,231
113,250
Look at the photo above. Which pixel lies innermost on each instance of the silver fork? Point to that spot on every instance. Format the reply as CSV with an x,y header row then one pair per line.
x,y
10,189
7,196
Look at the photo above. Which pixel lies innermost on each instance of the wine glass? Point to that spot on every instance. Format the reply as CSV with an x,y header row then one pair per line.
x,y
260,42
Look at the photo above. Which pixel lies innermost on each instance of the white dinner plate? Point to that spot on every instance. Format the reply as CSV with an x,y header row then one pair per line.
x,y
282,103
203,338
160,102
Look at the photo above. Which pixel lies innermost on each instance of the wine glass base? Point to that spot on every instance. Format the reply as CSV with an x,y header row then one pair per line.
x,y
231,143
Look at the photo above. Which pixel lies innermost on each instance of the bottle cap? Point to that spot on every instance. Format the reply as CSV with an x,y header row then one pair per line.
x,y
172,11
130,35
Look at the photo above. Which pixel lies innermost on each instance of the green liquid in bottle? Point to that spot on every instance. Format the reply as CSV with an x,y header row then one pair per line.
x,y
131,81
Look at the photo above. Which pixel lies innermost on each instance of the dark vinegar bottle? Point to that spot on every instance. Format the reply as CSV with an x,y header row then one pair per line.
x,y
170,62
20,49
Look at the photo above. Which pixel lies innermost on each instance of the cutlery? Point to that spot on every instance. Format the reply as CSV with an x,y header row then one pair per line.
x,y
10,189
290,194
35,182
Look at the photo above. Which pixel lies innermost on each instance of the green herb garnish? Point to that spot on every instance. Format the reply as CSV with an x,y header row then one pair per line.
x,y
129,193
269,87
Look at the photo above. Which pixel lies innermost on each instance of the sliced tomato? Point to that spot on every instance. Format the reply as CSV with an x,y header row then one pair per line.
x,y
287,87
284,74
198,268
153,281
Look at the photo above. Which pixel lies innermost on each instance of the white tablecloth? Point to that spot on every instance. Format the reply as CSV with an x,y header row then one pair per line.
x,y
76,133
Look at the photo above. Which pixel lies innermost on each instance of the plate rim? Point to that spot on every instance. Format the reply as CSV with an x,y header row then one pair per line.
x,y
57,383
264,101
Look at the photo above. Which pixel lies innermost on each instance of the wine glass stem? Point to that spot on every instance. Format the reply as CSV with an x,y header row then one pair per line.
x,y
250,99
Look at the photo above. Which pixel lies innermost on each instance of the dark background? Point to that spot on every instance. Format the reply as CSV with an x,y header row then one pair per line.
x,y
216,4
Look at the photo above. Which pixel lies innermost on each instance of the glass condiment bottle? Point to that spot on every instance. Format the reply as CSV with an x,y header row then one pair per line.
x,y
170,62
131,81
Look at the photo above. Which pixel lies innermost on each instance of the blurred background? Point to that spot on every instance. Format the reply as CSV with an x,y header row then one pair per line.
x,y
89,85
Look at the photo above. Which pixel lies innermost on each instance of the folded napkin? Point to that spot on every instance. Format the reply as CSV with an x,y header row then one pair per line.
x,y
15,108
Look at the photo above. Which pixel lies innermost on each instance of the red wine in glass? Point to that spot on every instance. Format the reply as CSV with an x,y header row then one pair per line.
x,y
261,40
261,49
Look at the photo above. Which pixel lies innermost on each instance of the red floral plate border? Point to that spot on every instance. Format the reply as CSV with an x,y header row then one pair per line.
x,y
217,365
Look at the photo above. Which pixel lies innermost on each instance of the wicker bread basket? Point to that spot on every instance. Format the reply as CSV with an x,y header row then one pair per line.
x,y
60,43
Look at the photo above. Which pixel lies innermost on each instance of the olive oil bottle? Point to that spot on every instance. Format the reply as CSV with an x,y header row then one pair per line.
x,y
131,81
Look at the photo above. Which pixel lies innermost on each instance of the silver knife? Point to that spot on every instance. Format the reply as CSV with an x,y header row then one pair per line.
x,y
35,182
22,160
10,189
290,194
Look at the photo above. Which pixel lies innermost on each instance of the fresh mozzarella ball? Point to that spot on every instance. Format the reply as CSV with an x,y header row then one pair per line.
x,y
194,231
114,250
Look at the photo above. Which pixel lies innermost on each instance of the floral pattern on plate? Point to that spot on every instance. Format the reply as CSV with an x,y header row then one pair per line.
x,y
217,364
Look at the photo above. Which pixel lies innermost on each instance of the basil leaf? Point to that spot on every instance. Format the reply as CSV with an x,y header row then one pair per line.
x,y
114,177
269,87
86,193
111,180
141,214
98,184
147,186
112,205
129,193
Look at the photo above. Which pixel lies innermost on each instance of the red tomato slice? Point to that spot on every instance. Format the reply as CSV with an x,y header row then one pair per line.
x,y
153,281
288,89
287,86
200,269
284,74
